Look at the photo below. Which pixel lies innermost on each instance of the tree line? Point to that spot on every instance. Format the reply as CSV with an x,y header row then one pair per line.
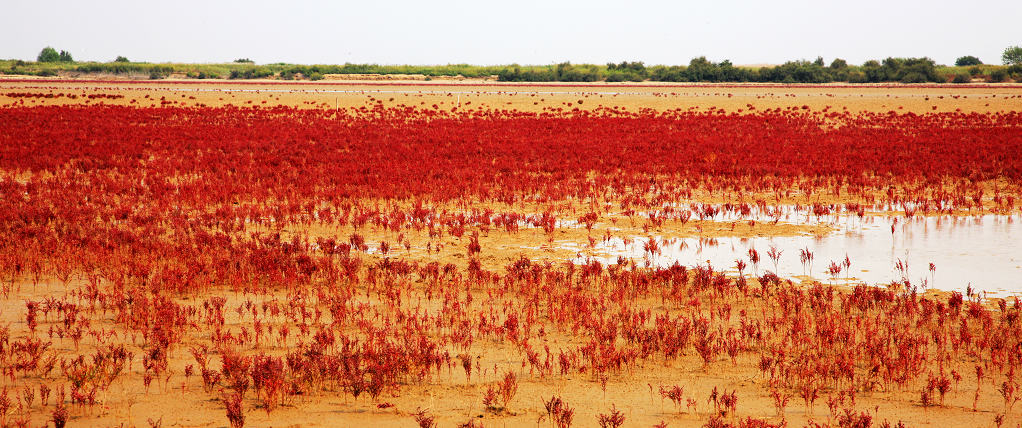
x,y
904,70
700,69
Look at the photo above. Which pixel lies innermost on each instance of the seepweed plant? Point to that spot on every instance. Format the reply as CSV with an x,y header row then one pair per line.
x,y
271,314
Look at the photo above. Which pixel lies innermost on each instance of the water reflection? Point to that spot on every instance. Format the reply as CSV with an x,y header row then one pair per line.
x,y
982,251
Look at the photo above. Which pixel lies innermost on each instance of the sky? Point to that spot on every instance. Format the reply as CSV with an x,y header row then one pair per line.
x,y
500,32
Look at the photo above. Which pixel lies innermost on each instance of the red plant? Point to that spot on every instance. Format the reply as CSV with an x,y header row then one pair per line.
x,y
5,406
424,419
508,388
775,256
614,419
490,399
60,415
235,412
559,412
806,257
780,400
268,380
154,218
675,393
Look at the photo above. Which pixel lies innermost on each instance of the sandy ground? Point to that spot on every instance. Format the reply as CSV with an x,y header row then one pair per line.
x,y
451,396
495,95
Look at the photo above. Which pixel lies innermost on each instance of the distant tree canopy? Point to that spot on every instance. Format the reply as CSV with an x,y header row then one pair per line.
x,y
700,69
1012,56
796,72
904,70
636,66
967,60
563,72
626,71
48,54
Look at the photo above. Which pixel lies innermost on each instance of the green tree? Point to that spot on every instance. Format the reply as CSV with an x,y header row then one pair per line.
x,y
967,60
1012,55
636,66
872,72
924,68
48,54
797,72
702,70
65,56
121,59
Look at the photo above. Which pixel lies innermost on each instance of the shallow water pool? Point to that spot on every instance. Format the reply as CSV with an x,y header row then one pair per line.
x,y
984,252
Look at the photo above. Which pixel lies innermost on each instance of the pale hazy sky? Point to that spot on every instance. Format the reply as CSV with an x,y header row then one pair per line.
x,y
502,32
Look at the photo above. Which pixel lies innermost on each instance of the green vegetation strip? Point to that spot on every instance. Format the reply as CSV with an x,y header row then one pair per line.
x,y
904,70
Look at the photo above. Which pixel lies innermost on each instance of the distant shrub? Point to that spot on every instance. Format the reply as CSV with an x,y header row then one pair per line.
x,y
624,76
122,68
616,77
998,75
962,78
251,73
1015,71
121,59
244,61
662,73
316,76
566,72
795,72
201,75
857,77
633,71
46,73
914,77
905,70
967,60
514,73
975,71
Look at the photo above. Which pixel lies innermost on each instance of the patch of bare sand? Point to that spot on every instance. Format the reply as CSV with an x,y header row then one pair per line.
x,y
498,95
